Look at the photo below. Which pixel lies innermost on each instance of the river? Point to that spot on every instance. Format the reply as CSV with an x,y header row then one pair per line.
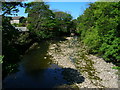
x,y
52,64
36,70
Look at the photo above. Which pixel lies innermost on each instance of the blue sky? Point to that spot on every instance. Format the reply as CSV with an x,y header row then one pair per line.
x,y
74,8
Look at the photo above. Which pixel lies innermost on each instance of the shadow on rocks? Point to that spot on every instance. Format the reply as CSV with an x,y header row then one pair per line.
x,y
72,76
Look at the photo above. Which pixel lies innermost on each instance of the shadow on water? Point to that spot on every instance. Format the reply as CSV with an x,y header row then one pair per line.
x,y
36,70
45,78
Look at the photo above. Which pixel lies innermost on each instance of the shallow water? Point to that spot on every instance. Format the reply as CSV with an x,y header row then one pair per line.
x,y
36,70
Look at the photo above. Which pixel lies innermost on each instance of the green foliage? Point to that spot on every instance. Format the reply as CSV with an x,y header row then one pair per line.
x,y
10,37
1,59
43,23
19,24
23,39
92,40
9,8
73,26
99,29
63,22
40,20
9,33
15,24
116,68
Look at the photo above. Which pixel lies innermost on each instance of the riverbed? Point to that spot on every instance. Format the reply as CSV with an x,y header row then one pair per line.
x,y
96,72
61,64
37,70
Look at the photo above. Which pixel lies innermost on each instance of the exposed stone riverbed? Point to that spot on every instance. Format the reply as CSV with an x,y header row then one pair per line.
x,y
62,63
96,72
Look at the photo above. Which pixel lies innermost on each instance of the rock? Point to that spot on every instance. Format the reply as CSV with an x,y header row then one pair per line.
x,y
45,57
103,70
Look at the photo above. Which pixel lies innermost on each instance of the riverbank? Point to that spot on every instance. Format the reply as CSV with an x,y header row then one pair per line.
x,y
71,54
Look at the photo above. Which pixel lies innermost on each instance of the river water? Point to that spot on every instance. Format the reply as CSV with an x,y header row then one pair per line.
x,y
36,70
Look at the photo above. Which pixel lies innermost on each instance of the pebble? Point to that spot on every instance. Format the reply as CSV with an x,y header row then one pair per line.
x,y
45,57
103,70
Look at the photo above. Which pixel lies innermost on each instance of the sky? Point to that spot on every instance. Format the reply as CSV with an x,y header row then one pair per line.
x,y
74,8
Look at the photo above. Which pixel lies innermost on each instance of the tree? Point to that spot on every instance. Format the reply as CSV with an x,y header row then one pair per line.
x,y
99,29
9,33
10,37
40,20
10,8
63,21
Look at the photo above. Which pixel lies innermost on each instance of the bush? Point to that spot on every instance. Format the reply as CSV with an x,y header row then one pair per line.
x,y
99,29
